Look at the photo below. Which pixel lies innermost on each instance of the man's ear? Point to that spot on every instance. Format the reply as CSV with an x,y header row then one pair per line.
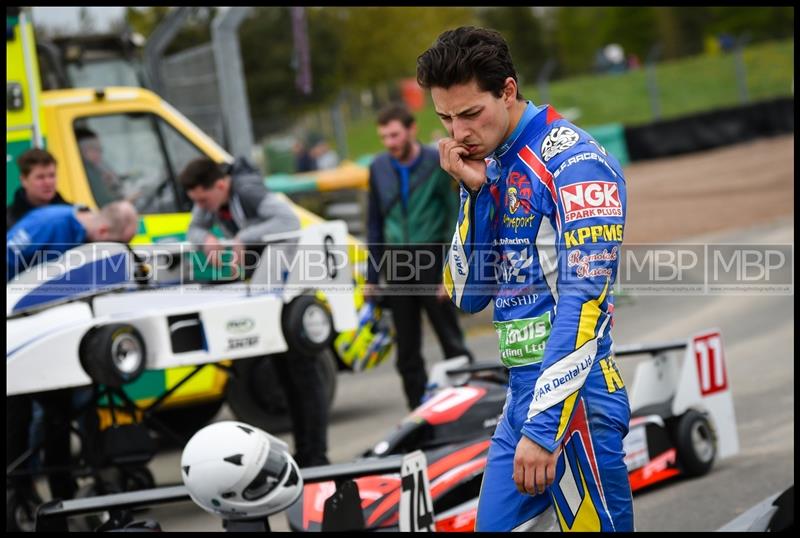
x,y
413,130
510,91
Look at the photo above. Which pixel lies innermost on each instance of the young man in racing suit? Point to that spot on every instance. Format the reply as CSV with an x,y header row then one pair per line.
x,y
538,234
235,198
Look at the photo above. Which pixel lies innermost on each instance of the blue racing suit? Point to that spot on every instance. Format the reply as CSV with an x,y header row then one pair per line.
x,y
45,232
541,239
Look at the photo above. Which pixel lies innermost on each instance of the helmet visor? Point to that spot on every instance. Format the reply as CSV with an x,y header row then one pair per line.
x,y
269,476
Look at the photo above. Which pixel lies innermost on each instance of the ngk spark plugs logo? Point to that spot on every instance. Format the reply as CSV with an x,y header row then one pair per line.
x,y
590,199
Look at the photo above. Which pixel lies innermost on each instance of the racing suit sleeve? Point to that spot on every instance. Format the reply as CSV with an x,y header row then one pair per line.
x,y
452,201
469,270
374,232
587,204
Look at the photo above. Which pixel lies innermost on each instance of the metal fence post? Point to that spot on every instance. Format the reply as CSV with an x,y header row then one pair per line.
x,y
543,79
231,80
741,71
158,42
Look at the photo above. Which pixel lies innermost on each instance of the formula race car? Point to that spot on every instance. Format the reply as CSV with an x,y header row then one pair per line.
x,y
242,475
682,421
110,324
99,316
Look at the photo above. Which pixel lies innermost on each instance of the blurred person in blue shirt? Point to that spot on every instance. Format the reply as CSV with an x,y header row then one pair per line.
x,y
54,229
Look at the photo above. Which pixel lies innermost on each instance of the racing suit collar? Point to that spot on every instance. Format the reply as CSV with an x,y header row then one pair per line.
x,y
530,113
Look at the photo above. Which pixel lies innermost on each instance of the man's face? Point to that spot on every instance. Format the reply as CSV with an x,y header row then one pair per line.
x,y
398,139
40,184
213,198
92,150
474,118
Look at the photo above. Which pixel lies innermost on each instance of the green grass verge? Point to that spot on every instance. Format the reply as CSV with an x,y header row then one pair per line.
x,y
685,86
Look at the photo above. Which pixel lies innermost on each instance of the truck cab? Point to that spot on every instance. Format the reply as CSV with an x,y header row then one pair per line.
x,y
124,142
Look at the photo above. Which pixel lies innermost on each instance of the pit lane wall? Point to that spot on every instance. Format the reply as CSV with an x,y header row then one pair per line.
x,y
712,129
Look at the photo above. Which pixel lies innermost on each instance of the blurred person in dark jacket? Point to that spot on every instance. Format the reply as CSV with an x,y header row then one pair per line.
x,y
38,184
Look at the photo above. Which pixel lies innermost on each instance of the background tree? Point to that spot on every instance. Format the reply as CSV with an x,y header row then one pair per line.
x,y
195,31
525,34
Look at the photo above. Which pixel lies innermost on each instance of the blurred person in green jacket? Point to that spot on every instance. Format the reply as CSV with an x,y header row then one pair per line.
x,y
411,217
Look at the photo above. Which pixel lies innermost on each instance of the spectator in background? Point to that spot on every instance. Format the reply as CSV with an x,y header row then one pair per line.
x,y
321,152
104,182
412,209
726,42
38,182
62,227
303,161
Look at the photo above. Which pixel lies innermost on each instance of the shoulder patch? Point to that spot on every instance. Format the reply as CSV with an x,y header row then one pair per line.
x,y
558,140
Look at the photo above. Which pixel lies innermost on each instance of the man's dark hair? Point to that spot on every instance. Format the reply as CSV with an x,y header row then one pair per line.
x,y
201,172
395,111
34,157
465,54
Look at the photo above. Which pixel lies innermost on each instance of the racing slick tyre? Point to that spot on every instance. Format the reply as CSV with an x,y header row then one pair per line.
x,y
113,354
696,443
256,397
307,325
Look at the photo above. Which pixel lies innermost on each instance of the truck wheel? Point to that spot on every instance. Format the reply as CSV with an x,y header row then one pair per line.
x,y
696,443
307,325
256,396
113,354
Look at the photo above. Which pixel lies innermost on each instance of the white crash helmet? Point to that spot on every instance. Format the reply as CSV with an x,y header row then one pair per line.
x,y
238,471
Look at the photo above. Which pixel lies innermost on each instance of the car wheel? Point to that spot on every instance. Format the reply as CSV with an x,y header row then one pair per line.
x,y
256,397
307,325
696,443
113,354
